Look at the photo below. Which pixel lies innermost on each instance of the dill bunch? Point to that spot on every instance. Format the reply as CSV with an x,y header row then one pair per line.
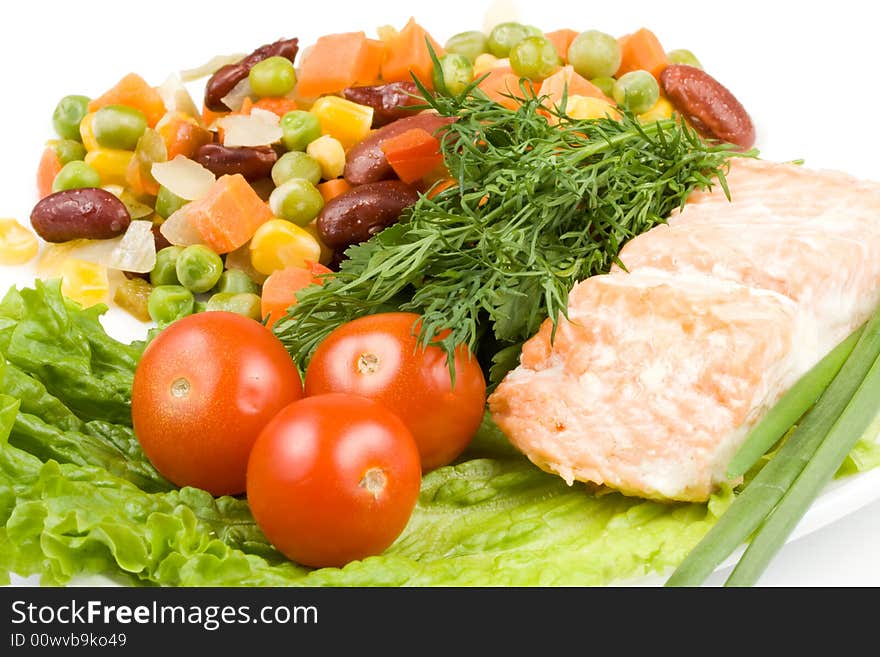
x,y
537,207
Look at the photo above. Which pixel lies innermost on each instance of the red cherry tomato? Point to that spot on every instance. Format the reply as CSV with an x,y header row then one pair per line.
x,y
203,390
333,478
379,357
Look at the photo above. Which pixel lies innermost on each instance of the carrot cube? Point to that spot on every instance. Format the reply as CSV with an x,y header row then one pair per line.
x,y
229,214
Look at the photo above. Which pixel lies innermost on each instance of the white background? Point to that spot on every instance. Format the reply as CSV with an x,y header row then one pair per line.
x,y
807,72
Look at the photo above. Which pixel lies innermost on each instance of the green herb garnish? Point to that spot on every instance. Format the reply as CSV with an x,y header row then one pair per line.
x,y
537,208
779,495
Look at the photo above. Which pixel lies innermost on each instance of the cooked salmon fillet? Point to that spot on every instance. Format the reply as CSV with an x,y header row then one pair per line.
x,y
660,370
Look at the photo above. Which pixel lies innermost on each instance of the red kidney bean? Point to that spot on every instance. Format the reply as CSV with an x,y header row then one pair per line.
x,y
366,162
360,213
71,214
708,105
390,101
226,77
251,162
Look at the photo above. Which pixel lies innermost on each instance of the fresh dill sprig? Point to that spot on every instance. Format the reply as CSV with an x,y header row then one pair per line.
x,y
537,207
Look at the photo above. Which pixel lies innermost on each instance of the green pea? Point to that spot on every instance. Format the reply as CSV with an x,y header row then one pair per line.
x,y
242,303
198,268
299,129
682,56
534,57
594,54
69,150
296,164
76,175
274,76
605,84
297,201
67,116
119,126
470,44
637,90
165,270
455,74
505,36
167,202
168,303
235,281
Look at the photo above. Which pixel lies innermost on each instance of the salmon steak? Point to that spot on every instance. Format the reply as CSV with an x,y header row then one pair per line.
x,y
663,365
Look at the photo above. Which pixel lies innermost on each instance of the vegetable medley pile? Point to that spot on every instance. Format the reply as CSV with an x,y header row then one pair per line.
x,y
214,208
402,215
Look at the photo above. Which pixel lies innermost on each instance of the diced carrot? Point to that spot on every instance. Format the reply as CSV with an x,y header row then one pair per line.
x,y
330,189
229,214
562,40
442,186
408,52
371,67
209,116
335,62
133,91
182,134
279,106
47,169
279,290
642,51
500,84
413,154
568,80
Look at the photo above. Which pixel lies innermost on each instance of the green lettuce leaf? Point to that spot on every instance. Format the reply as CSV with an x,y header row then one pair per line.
x,y
78,497
67,350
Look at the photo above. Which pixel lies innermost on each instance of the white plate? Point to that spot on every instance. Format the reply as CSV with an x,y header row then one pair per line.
x,y
806,73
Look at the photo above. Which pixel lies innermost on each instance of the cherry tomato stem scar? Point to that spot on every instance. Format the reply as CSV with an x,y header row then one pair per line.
x,y
180,387
374,481
368,363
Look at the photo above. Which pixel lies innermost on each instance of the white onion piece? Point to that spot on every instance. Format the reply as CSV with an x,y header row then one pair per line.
x,y
210,67
182,176
259,128
177,98
240,259
54,254
178,229
235,98
136,251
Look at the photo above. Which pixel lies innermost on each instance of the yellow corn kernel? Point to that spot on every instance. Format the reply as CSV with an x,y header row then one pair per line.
x,y
87,132
17,243
340,118
111,164
484,63
329,154
588,107
662,110
278,244
85,282
326,251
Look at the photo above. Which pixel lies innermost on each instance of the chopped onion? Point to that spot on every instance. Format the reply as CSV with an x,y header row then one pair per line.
x,y
182,176
136,251
235,98
210,67
54,255
178,229
177,98
240,259
259,128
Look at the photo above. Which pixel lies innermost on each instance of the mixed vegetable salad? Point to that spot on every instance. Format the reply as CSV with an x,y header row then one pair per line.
x,y
340,251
